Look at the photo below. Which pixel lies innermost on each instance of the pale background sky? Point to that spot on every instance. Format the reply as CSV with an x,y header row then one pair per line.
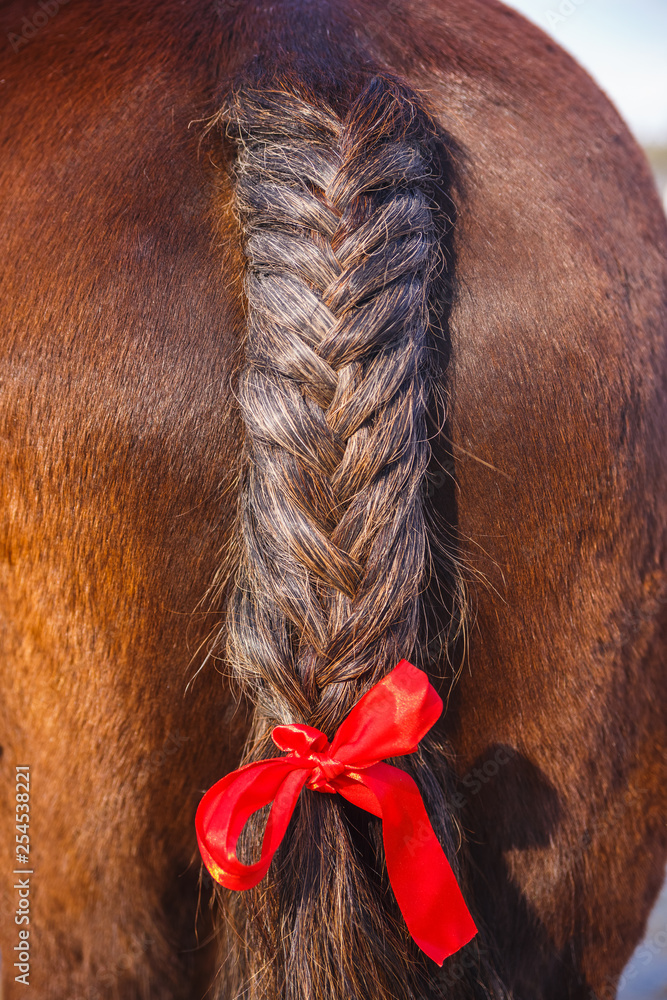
x,y
623,45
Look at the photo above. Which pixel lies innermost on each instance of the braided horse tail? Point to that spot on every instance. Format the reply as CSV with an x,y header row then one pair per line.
x,y
342,245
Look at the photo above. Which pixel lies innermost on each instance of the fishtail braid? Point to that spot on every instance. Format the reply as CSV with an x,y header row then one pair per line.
x,y
341,246
343,241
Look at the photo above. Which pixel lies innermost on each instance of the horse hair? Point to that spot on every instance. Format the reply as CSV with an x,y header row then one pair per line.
x,y
342,247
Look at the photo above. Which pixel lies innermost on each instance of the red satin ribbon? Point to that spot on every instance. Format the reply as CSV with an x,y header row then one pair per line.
x,y
389,721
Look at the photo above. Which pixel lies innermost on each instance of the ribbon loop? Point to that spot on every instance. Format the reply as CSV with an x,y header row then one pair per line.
x,y
299,739
388,721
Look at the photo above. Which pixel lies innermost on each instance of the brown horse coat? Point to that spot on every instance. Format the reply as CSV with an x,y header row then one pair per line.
x,y
122,330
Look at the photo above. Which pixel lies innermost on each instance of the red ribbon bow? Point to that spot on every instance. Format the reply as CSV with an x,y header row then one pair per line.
x,y
389,721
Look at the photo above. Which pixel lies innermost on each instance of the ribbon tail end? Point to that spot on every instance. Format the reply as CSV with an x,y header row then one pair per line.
x,y
439,951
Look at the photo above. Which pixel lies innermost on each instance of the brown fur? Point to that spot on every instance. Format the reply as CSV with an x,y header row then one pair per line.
x,y
123,323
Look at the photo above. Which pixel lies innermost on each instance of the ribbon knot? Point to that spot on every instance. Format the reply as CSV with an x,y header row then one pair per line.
x,y
324,772
310,748
389,721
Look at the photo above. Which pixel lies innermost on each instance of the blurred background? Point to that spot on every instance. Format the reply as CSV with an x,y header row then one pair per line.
x,y
623,45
